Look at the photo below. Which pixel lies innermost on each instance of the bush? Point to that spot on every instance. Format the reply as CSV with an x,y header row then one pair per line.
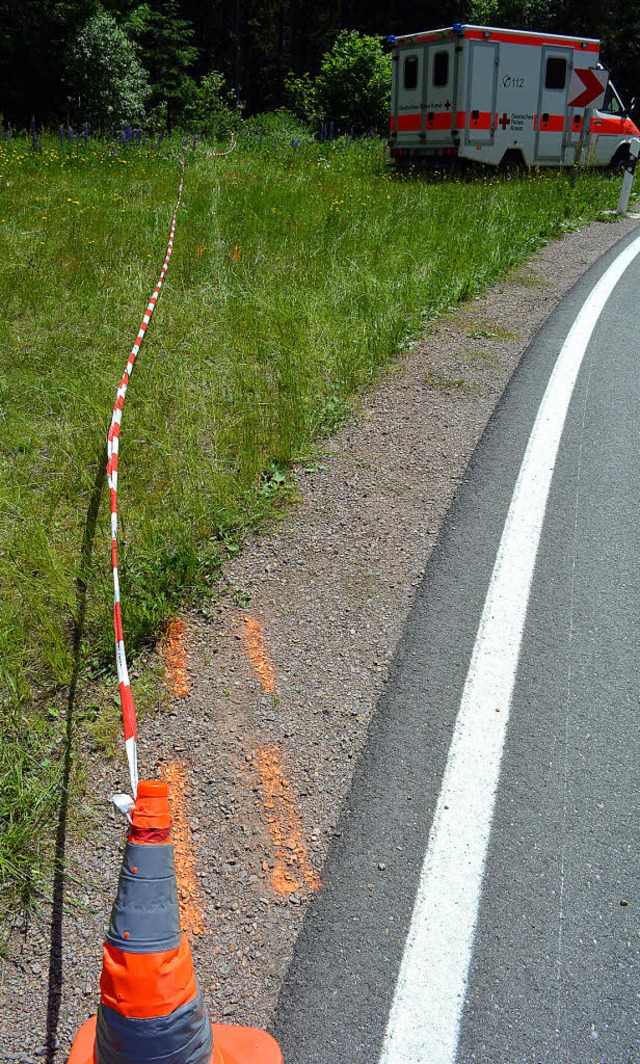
x,y
281,124
301,98
107,80
353,88
215,112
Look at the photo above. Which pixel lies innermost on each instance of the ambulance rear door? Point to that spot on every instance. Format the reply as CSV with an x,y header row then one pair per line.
x,y
408,85
439,90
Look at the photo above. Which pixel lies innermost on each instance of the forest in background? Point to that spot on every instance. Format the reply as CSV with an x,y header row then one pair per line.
x,y
179,58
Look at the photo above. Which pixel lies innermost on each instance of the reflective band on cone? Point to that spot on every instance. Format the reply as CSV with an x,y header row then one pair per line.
x,y
151,1006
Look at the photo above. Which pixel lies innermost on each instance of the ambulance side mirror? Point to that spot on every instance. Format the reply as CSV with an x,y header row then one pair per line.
x,y
633,105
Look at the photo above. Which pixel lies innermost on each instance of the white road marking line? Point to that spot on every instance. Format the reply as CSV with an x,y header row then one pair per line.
x,y
424,1021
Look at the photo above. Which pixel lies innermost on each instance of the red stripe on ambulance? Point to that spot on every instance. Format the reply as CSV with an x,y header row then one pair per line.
x,y
409,123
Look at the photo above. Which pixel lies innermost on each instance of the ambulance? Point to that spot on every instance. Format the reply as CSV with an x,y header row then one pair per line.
x,y
504,97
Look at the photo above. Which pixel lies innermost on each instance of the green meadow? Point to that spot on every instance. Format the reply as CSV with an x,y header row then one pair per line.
x,y
297,273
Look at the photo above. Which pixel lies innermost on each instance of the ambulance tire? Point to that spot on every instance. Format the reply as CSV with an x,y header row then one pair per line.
x,y
512,163
620,158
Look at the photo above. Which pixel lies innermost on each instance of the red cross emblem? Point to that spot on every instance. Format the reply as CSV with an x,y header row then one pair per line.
x,y
504,122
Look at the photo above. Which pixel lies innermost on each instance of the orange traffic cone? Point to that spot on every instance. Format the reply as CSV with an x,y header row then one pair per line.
x,y
151,1007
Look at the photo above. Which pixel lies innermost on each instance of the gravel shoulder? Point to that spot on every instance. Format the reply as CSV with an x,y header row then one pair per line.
x,y
284,678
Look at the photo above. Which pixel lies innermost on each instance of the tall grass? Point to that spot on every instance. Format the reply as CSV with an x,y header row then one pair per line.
x,y
296,274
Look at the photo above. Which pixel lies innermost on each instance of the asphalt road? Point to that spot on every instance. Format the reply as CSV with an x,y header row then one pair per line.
x,y
550,960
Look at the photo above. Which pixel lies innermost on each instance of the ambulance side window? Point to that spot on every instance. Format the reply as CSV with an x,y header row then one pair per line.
x,y
411,72
612,105
440,69
556,75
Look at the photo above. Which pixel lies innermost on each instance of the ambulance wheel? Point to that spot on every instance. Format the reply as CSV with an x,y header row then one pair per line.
x,y
620,158
512,162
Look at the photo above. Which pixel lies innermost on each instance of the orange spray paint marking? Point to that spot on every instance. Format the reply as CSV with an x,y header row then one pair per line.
x,y
173,648
257,654
189,898
293,868
236,253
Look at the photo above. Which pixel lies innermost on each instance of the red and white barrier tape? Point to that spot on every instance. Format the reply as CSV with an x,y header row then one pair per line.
x,y
113,443
223,154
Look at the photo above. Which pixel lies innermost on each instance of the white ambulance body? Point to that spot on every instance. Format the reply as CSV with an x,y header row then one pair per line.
x,y
499,96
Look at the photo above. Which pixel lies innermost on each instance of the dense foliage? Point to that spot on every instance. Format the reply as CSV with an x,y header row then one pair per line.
x,y
352,89
107,82
247,51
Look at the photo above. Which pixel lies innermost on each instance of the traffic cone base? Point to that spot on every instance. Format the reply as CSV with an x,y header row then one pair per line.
x,y
231,1045
84,1044
151,1009
243,1045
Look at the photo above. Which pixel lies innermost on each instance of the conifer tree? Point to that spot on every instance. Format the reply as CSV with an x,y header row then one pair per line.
x,y
169,55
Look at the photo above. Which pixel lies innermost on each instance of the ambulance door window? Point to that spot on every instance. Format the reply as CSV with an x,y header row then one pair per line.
x,y
440,69
612,104
410,73
556,74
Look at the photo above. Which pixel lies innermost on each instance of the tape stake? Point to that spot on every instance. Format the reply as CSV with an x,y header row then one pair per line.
x,y
113,446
